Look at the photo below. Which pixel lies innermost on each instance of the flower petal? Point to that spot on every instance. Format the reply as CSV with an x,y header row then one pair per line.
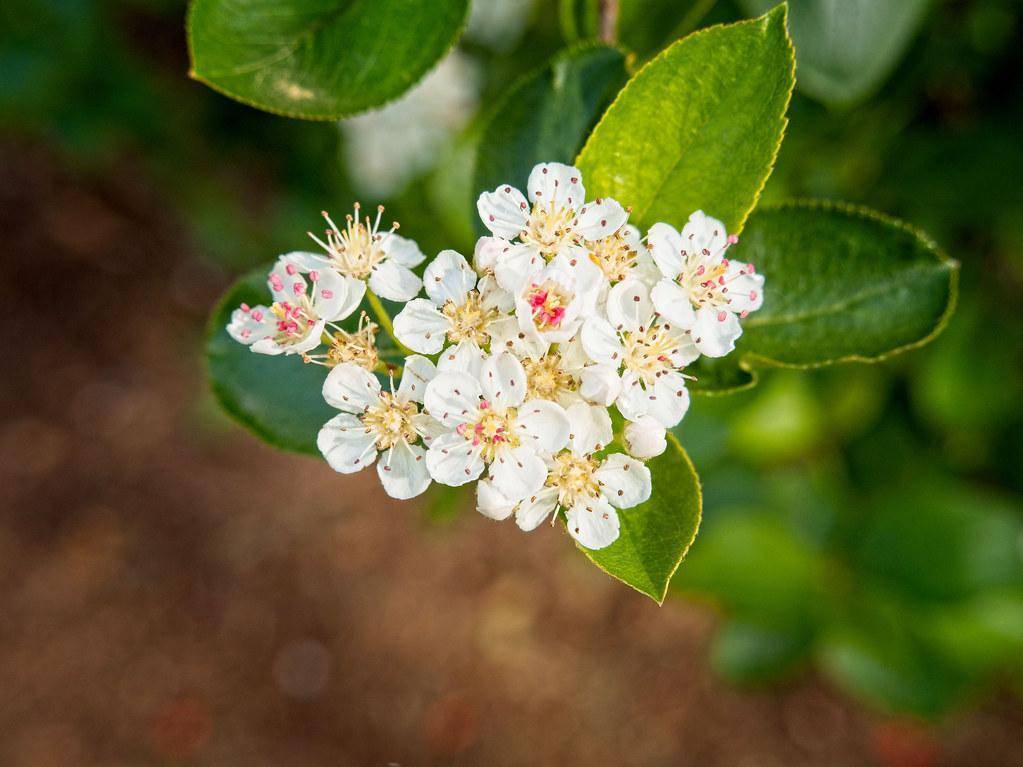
x,y
394,282
402,250
629,307
704,237
421,326
633,401
347,445
452,460
600,384
351,388
307,262
402,471
672,303
490,503
552,182
285,282
416,374
486,253
624,481
516,264
251,324
665,244
536,508
506,335
601,342
335,296
448,278
645,438
589,428
452,398
465,356
518,472
600,219
669,399
503,380
745,287
715,331
594,523
544,423
503,211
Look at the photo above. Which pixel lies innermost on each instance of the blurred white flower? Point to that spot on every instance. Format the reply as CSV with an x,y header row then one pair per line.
x,y
498,24
389,147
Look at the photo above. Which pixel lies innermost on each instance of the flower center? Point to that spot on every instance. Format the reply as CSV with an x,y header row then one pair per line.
x,y
491,430
707,285
648,352
294,320
548,302
614,256
574,478
546,378
356,249
470,320
549,228
390,421
358,347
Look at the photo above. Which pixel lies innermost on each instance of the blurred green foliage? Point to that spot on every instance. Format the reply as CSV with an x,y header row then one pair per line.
x,y
866,520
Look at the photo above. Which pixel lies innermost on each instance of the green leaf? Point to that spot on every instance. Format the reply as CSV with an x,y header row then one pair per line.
x,y
277,398
842,284
749,653
846,48
547,115
698,127
319,59
656,535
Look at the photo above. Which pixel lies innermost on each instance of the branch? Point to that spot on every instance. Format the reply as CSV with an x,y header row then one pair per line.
x,y
609,21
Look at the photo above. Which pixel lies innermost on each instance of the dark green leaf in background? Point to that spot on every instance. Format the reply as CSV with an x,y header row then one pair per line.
x,y
319,59
697,127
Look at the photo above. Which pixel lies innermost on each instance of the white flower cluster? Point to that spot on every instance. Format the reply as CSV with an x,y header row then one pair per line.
x,y
517,359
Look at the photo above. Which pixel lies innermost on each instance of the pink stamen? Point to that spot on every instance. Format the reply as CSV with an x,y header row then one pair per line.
x,y
257,315
245,308
314,275
298,288
290,269
327,293
732,239
721,316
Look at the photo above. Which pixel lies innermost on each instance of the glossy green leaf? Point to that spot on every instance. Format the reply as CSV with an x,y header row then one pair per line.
x,y
656,535
277,398
846,48
319,59
547,115
698,127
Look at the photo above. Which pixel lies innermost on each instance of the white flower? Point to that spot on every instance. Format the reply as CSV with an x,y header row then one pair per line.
x,y
375,422
554,221
387,148
454,313
295,322
586,488
645,437
700,289
498,24
362,251
490,423
553,302
622,256
649,351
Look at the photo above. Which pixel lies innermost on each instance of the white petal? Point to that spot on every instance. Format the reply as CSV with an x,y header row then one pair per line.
x,y
402,250
544,423
421,326
307,262
428,428
536,508
394,282
645,438
600,384
665,244
672,303
351,388
624,481
452,460
490,503
600,219
335,296
448,278
589,428
251,324
553,182
347,445
685,351
486,252
633,401
745,288
493,296
601,342
416,374
465,357
503,211
403,472
503,380
594,523
715,331
518,472
704,237
452,397
669,399
516,264
506,335
629,306
285,282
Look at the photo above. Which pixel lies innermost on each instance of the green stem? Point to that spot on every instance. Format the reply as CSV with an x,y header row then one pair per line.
x,y
384,320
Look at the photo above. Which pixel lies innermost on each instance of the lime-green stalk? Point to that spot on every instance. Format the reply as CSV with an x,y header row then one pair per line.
x,y
385,320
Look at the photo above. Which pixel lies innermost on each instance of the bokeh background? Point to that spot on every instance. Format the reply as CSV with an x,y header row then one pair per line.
x,y
174,592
